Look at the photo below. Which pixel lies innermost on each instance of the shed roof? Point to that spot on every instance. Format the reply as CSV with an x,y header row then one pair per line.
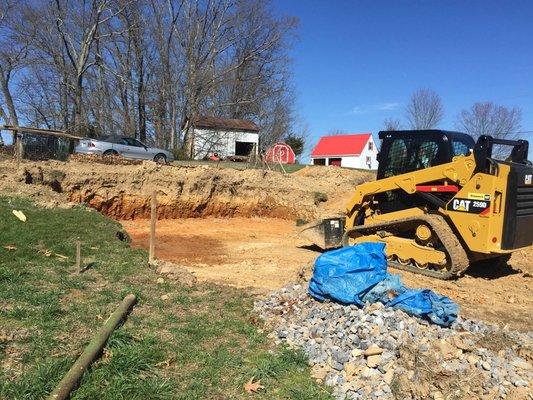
x,y
341,145
225,124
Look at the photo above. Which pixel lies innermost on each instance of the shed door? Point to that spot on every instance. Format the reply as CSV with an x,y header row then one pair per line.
x,y
336,162
243,148
282,154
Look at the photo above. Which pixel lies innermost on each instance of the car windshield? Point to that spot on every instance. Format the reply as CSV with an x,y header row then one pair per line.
x,y
131,142
110,139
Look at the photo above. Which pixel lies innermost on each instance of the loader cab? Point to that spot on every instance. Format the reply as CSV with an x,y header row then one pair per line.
x,y
408,151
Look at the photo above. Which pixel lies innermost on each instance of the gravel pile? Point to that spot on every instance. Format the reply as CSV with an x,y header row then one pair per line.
x,y
383,353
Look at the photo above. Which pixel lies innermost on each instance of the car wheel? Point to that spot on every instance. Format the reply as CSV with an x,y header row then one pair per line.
x,y
160,158
110,153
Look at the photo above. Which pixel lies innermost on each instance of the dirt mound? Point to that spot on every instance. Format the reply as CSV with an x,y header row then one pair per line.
x,y
334,175
108,159
124,191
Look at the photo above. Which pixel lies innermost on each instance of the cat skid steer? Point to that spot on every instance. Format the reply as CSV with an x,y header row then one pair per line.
x,y
441,201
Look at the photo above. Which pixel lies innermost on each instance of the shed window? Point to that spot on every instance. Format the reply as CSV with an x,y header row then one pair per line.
x,y
370,145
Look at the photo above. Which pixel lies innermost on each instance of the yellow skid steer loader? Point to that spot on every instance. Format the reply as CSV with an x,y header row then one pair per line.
x,y
440,202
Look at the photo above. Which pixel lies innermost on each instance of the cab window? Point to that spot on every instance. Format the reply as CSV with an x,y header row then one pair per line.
x,y
460,148
409,154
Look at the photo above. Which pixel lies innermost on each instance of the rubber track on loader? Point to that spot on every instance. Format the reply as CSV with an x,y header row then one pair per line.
x,y
455,252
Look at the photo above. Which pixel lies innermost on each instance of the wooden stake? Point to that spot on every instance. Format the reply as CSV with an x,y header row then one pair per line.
x,y
153,219
78,254
281,165
19,147
93,349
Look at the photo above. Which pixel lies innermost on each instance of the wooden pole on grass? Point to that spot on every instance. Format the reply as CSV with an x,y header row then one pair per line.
x,y
153,219
92,351
78,254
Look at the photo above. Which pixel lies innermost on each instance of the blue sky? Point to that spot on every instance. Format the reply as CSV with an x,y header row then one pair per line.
x,y
357,62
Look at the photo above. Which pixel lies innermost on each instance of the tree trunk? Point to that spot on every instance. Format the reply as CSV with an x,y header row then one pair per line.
x,y
141,105
4,83
188,140
77,104
141,100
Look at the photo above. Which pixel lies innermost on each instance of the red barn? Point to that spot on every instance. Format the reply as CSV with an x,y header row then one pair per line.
x,y
280,152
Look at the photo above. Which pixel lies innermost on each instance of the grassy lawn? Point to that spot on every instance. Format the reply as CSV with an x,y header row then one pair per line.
x,y
203,343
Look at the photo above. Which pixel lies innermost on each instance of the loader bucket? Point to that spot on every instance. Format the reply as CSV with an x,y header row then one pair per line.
x,y
325,233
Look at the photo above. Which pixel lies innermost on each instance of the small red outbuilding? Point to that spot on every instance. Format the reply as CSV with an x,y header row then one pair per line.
x,y
280,152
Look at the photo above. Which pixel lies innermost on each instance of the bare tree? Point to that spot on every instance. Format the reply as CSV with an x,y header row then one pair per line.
x,y
391,124
44,93
79,28
139,67
256,82
12,57
487,118
425,110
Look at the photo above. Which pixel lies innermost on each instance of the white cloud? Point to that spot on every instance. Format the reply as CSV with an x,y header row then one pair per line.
x,y
388,106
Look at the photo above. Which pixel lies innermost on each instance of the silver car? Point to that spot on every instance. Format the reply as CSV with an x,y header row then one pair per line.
x,y
122,145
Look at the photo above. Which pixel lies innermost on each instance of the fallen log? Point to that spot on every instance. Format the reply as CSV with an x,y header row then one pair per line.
x,y
92,351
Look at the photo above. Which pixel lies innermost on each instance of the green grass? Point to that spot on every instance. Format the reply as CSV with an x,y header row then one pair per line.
x,y
202,344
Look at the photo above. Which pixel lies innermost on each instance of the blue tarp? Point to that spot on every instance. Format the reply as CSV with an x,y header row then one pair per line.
x,y
358,274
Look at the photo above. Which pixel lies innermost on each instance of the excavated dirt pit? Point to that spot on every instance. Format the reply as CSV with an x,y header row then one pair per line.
x,y
238,227
262,253
123,192
265,254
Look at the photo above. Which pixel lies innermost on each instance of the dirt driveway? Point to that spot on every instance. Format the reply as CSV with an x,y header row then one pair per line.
x,y
265,254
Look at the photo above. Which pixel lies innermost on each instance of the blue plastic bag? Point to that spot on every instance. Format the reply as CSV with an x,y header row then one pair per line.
x,y
358,274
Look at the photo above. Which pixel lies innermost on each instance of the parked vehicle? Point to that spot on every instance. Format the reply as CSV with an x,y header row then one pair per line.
x,y
124,146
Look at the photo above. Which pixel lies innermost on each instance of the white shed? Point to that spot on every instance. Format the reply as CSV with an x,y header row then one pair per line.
x,y
223,137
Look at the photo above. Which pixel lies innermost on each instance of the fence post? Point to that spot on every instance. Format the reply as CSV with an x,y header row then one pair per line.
x,y
78,254
19,147
153,219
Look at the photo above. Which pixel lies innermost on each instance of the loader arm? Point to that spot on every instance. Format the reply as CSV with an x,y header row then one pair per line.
x,y
459,171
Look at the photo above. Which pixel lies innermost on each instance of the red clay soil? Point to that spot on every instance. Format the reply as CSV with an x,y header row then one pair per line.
x,y
261,253
266,254
124,191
